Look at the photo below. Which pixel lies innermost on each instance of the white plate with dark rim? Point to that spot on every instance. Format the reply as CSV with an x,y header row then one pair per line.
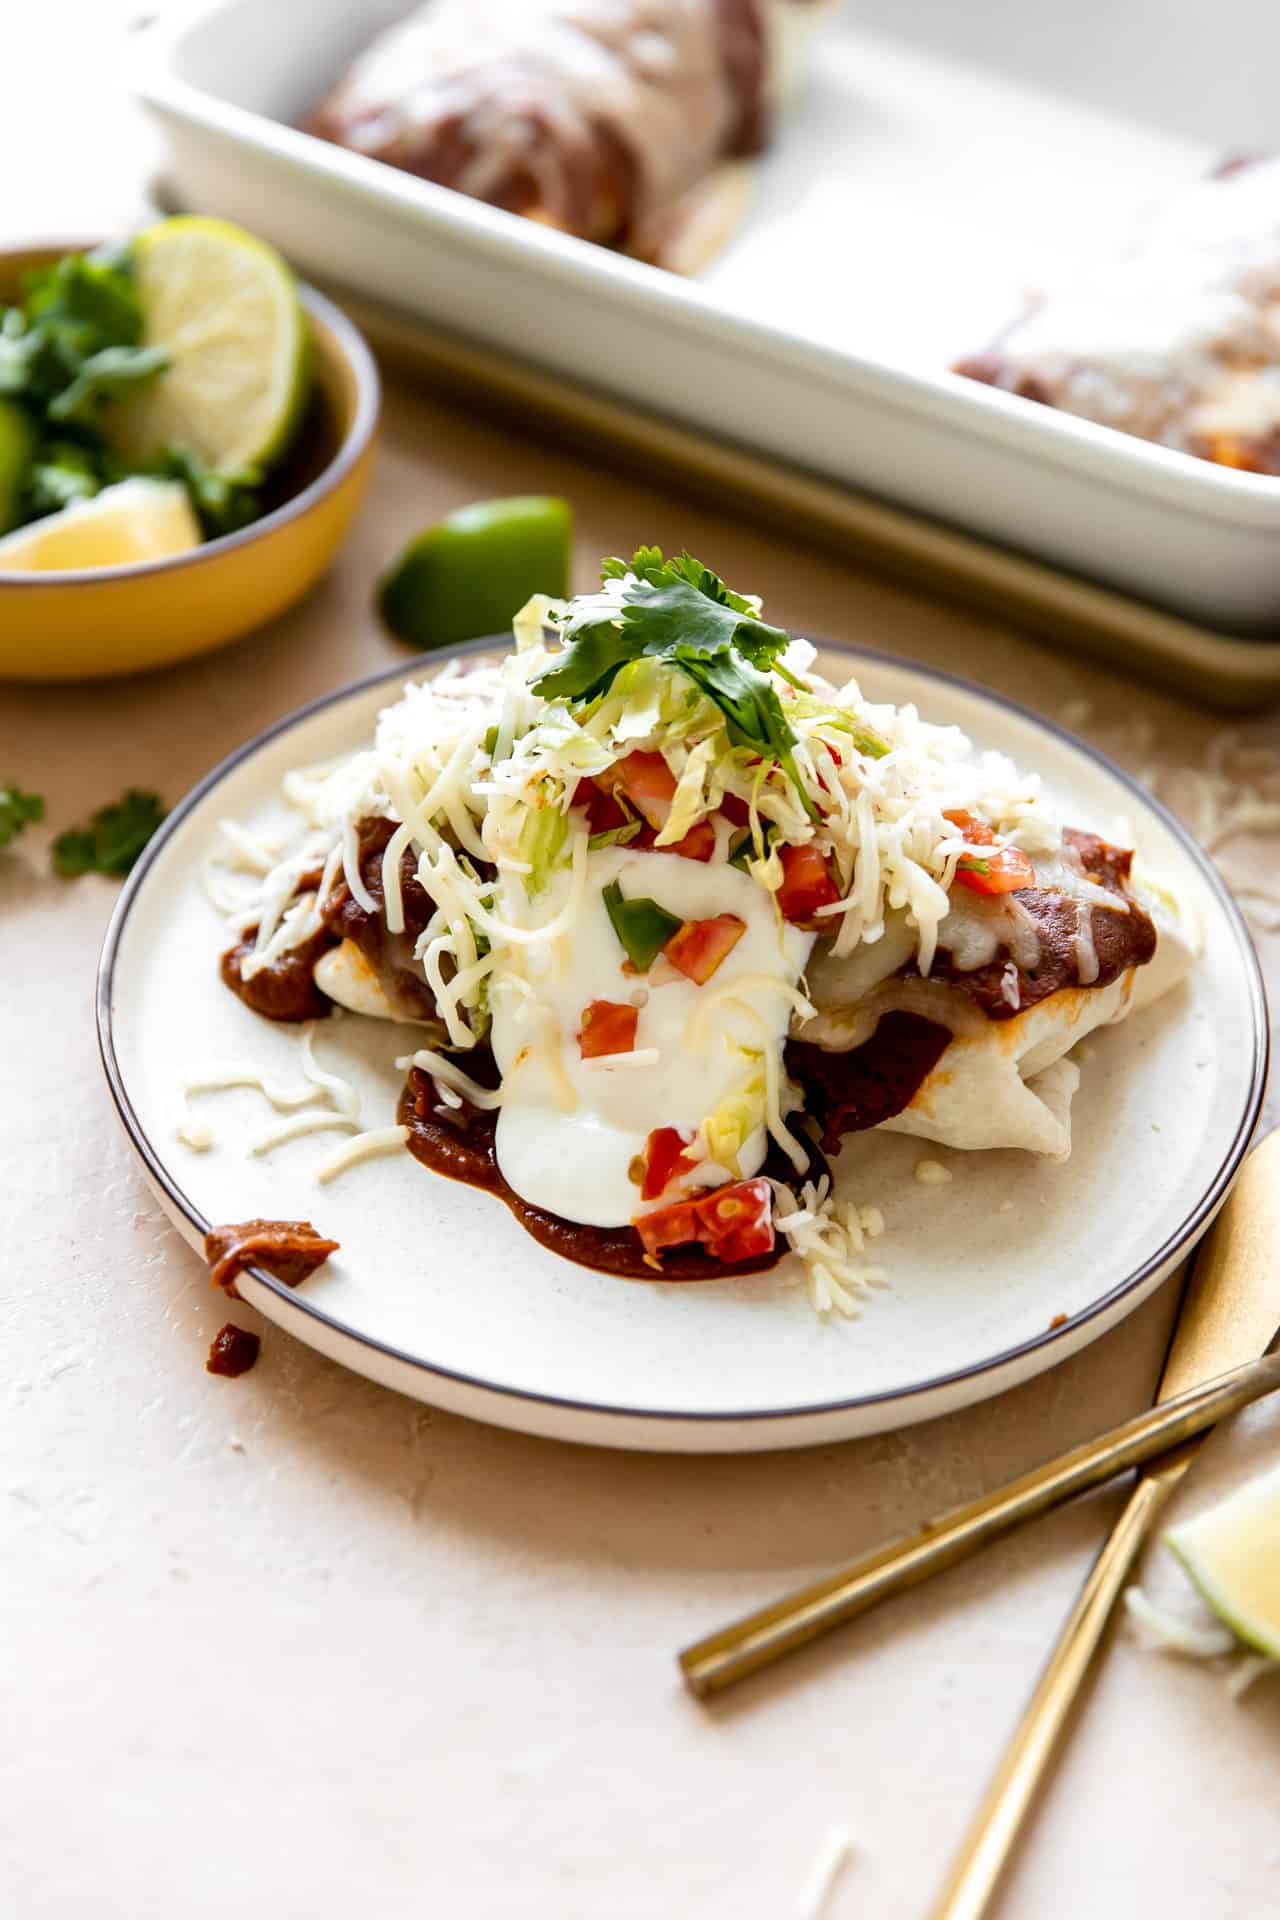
x,y
439,1293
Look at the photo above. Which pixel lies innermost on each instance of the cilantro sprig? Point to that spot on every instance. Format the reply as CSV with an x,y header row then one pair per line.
x,y
73,346
76,341
113,838
17,810
679,611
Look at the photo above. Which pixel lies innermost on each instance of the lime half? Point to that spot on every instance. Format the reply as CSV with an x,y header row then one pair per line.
x,y
472,572
225,308
124,525
1232,1552
17,444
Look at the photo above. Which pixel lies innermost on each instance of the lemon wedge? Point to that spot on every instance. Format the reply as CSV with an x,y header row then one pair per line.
x,y
134,521
1232,1553
225,308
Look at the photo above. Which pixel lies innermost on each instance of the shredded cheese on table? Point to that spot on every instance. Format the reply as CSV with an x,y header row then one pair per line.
x,y
1230,801
833,1857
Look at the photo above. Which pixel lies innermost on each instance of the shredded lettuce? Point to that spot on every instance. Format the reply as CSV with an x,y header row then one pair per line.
x,y
615,836
739,1115
541,844
688,803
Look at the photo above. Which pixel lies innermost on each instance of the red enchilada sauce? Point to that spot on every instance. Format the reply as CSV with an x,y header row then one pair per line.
x,y
289,1249
286,990
850,1092
847,1092
459,1143
233,1351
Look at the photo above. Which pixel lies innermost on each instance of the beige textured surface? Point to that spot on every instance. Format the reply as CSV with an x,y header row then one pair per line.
x,y
293,1645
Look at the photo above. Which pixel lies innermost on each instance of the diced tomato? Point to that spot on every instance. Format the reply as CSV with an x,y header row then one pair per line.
x,y
737,1221
736,811
698,844
604,811
673,1226
648,783
806,884
664,1161
976,831
701,945
733,1223
1004,870
607,1028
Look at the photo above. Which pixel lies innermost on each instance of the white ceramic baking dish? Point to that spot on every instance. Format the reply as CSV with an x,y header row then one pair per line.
x,y
907,201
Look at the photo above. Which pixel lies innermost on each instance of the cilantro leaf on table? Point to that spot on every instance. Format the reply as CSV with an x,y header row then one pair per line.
x,y
113,839
678,610
17,810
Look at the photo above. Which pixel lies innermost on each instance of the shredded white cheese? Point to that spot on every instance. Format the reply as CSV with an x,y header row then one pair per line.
x,y
1168,1632
447,1073
365,1146
828,1237
1230,801
332,1085
294,1129
196,1134
833,1857
932,1173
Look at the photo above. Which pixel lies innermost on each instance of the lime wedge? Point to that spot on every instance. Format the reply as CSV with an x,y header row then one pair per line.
x,y
134,521
17,444
225,308
1232,1552
471,574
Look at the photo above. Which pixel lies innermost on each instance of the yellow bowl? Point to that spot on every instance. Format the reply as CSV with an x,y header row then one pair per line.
x,y
105,621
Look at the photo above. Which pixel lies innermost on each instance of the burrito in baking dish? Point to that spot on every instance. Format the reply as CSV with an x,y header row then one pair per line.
x,y
673,918
1180,342
618,121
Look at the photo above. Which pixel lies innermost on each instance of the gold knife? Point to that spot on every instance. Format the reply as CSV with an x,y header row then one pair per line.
x,y
1230,1314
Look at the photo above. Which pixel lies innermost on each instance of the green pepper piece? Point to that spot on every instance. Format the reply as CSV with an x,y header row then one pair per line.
x,y
470,574
642,926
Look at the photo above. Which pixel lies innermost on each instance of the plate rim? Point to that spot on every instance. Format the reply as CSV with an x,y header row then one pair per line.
x,y
1180,1240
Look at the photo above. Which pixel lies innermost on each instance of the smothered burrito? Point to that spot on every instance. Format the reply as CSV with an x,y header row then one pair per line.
x,y
1179,341
620,121
674,917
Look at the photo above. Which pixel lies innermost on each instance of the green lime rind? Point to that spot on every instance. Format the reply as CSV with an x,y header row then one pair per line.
x,y
1231,1554
470,574
17,447
201,282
